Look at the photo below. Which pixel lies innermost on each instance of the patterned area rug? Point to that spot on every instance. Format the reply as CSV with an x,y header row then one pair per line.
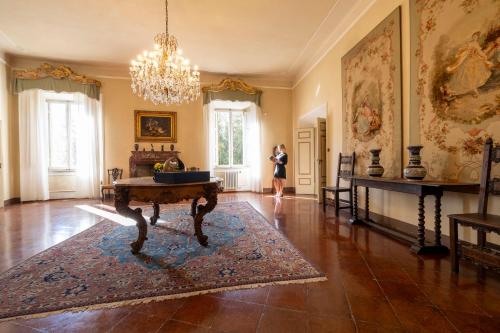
x,y
96,269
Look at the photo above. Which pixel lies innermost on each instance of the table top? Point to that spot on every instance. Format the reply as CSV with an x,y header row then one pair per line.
x,y
149,182
415,182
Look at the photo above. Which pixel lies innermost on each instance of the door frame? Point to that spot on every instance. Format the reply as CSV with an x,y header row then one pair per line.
x,y
320,161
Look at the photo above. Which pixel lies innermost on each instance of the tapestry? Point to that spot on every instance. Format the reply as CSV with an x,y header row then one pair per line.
x,y
455,83
371,97
96,269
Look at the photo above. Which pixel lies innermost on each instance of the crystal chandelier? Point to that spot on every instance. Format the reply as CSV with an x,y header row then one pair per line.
x,y
164,75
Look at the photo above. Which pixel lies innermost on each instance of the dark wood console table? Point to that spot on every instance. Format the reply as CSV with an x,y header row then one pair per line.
x,y
144,189
421,188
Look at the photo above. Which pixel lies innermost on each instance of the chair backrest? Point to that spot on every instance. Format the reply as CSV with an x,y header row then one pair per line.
x,y
488,185
345,168
114,174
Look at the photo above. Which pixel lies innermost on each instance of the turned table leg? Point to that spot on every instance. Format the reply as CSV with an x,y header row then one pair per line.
x,y
121,204
156,214
437,220
367,204
354,219
421,221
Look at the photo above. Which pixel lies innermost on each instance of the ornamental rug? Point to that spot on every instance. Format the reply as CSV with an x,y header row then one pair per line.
x,y
95,268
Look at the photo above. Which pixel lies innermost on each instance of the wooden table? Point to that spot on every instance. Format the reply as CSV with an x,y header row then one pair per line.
x,y
144,189
421,188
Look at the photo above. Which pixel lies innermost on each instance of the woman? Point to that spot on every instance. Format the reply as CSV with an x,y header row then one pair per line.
x,y
470,70
279,170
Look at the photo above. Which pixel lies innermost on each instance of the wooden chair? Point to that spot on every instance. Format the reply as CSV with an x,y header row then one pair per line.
x,y
483,253
113,175
345,170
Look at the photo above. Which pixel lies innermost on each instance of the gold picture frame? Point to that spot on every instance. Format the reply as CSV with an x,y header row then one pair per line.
x,y
155,126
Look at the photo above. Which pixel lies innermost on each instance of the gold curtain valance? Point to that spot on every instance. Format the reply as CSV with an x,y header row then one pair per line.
x,y
58,79
232,90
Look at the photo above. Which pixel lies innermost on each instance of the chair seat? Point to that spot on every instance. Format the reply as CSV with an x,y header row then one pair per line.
x,y
488,220
337,189
107,187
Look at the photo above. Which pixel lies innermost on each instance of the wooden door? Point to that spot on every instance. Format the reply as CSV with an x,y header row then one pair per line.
x,y
320,157
304,161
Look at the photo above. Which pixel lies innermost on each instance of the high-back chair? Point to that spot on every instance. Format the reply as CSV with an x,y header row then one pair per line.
x,y
113,175
345,170
483,222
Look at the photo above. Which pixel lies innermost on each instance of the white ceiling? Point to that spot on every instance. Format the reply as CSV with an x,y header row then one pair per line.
x,y
258,37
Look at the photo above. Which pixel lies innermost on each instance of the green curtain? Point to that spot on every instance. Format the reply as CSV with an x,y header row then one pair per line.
x,y
57,85
231,95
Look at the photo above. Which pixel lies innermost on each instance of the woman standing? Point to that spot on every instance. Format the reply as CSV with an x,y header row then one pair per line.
x,y
279,170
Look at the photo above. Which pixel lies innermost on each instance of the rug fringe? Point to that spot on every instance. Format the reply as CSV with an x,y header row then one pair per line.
x,y
146,300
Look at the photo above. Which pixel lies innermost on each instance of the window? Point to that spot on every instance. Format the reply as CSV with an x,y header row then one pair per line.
x,y
63,127
230,134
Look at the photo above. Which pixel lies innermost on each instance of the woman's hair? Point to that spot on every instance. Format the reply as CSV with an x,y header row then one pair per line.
x,y
275,150
281,146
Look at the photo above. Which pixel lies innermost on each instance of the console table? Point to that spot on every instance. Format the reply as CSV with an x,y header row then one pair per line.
x,y
421,188
145,189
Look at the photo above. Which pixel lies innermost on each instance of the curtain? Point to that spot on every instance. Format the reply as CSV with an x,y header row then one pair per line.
x,y
89,146
33,146
253,143
209,126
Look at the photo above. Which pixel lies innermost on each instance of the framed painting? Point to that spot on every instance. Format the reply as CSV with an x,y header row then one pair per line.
x,y
455,83
155,126
371,97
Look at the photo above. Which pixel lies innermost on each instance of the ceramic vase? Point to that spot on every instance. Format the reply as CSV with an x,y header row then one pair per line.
x,y
414,170
375,169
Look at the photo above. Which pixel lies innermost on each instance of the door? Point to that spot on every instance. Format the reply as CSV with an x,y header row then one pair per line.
x,y
304,161
320,157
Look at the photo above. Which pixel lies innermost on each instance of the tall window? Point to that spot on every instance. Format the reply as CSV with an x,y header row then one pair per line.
x,y
230,127
63,127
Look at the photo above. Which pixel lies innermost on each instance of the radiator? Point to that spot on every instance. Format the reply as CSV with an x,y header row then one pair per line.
x,y
230,178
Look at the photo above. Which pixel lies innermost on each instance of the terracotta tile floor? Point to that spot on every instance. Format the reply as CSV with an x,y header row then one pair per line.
x,y
374,283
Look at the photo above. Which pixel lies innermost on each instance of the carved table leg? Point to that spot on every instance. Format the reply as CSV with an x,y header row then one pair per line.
x,y
437,220
421,221
121,205
156,214
199,211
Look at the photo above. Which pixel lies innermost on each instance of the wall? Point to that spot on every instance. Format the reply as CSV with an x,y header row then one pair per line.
x,y
118,112
9,118
323,84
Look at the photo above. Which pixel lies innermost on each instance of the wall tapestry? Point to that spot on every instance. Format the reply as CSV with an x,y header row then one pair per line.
x,y
455,83
371,103
155,126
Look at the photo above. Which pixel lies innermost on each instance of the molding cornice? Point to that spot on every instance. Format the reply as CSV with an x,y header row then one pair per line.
x,y
232,84
340,20
59,72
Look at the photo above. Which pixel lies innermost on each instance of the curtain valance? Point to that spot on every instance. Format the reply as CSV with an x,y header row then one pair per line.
x,y
58,79
231,90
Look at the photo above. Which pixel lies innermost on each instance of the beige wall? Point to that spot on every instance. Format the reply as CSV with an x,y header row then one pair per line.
x,y
118,112
119,104
323,84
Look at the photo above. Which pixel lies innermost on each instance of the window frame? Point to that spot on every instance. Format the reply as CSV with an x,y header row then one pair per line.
x,y
231,165
68,103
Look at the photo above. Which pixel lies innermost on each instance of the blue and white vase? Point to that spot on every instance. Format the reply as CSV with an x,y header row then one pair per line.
x,y
375,169
414,170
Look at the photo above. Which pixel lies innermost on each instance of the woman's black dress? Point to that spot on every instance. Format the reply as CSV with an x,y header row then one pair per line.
x,y
279,169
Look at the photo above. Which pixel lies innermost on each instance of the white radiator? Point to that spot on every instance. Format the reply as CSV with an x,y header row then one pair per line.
x,y
234,180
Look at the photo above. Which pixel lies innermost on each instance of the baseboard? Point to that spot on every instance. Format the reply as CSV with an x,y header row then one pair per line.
x,y
288,190
12,201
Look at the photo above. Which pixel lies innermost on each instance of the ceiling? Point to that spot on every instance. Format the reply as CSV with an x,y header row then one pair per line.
x,y
258,37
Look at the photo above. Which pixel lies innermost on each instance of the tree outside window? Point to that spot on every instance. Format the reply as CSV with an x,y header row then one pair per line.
x,y
230,127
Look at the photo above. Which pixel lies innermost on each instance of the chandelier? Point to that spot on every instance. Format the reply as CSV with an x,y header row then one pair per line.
x,y
163,75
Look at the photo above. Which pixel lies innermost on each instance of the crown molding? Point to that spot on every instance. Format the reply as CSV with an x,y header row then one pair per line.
x,y
339,21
